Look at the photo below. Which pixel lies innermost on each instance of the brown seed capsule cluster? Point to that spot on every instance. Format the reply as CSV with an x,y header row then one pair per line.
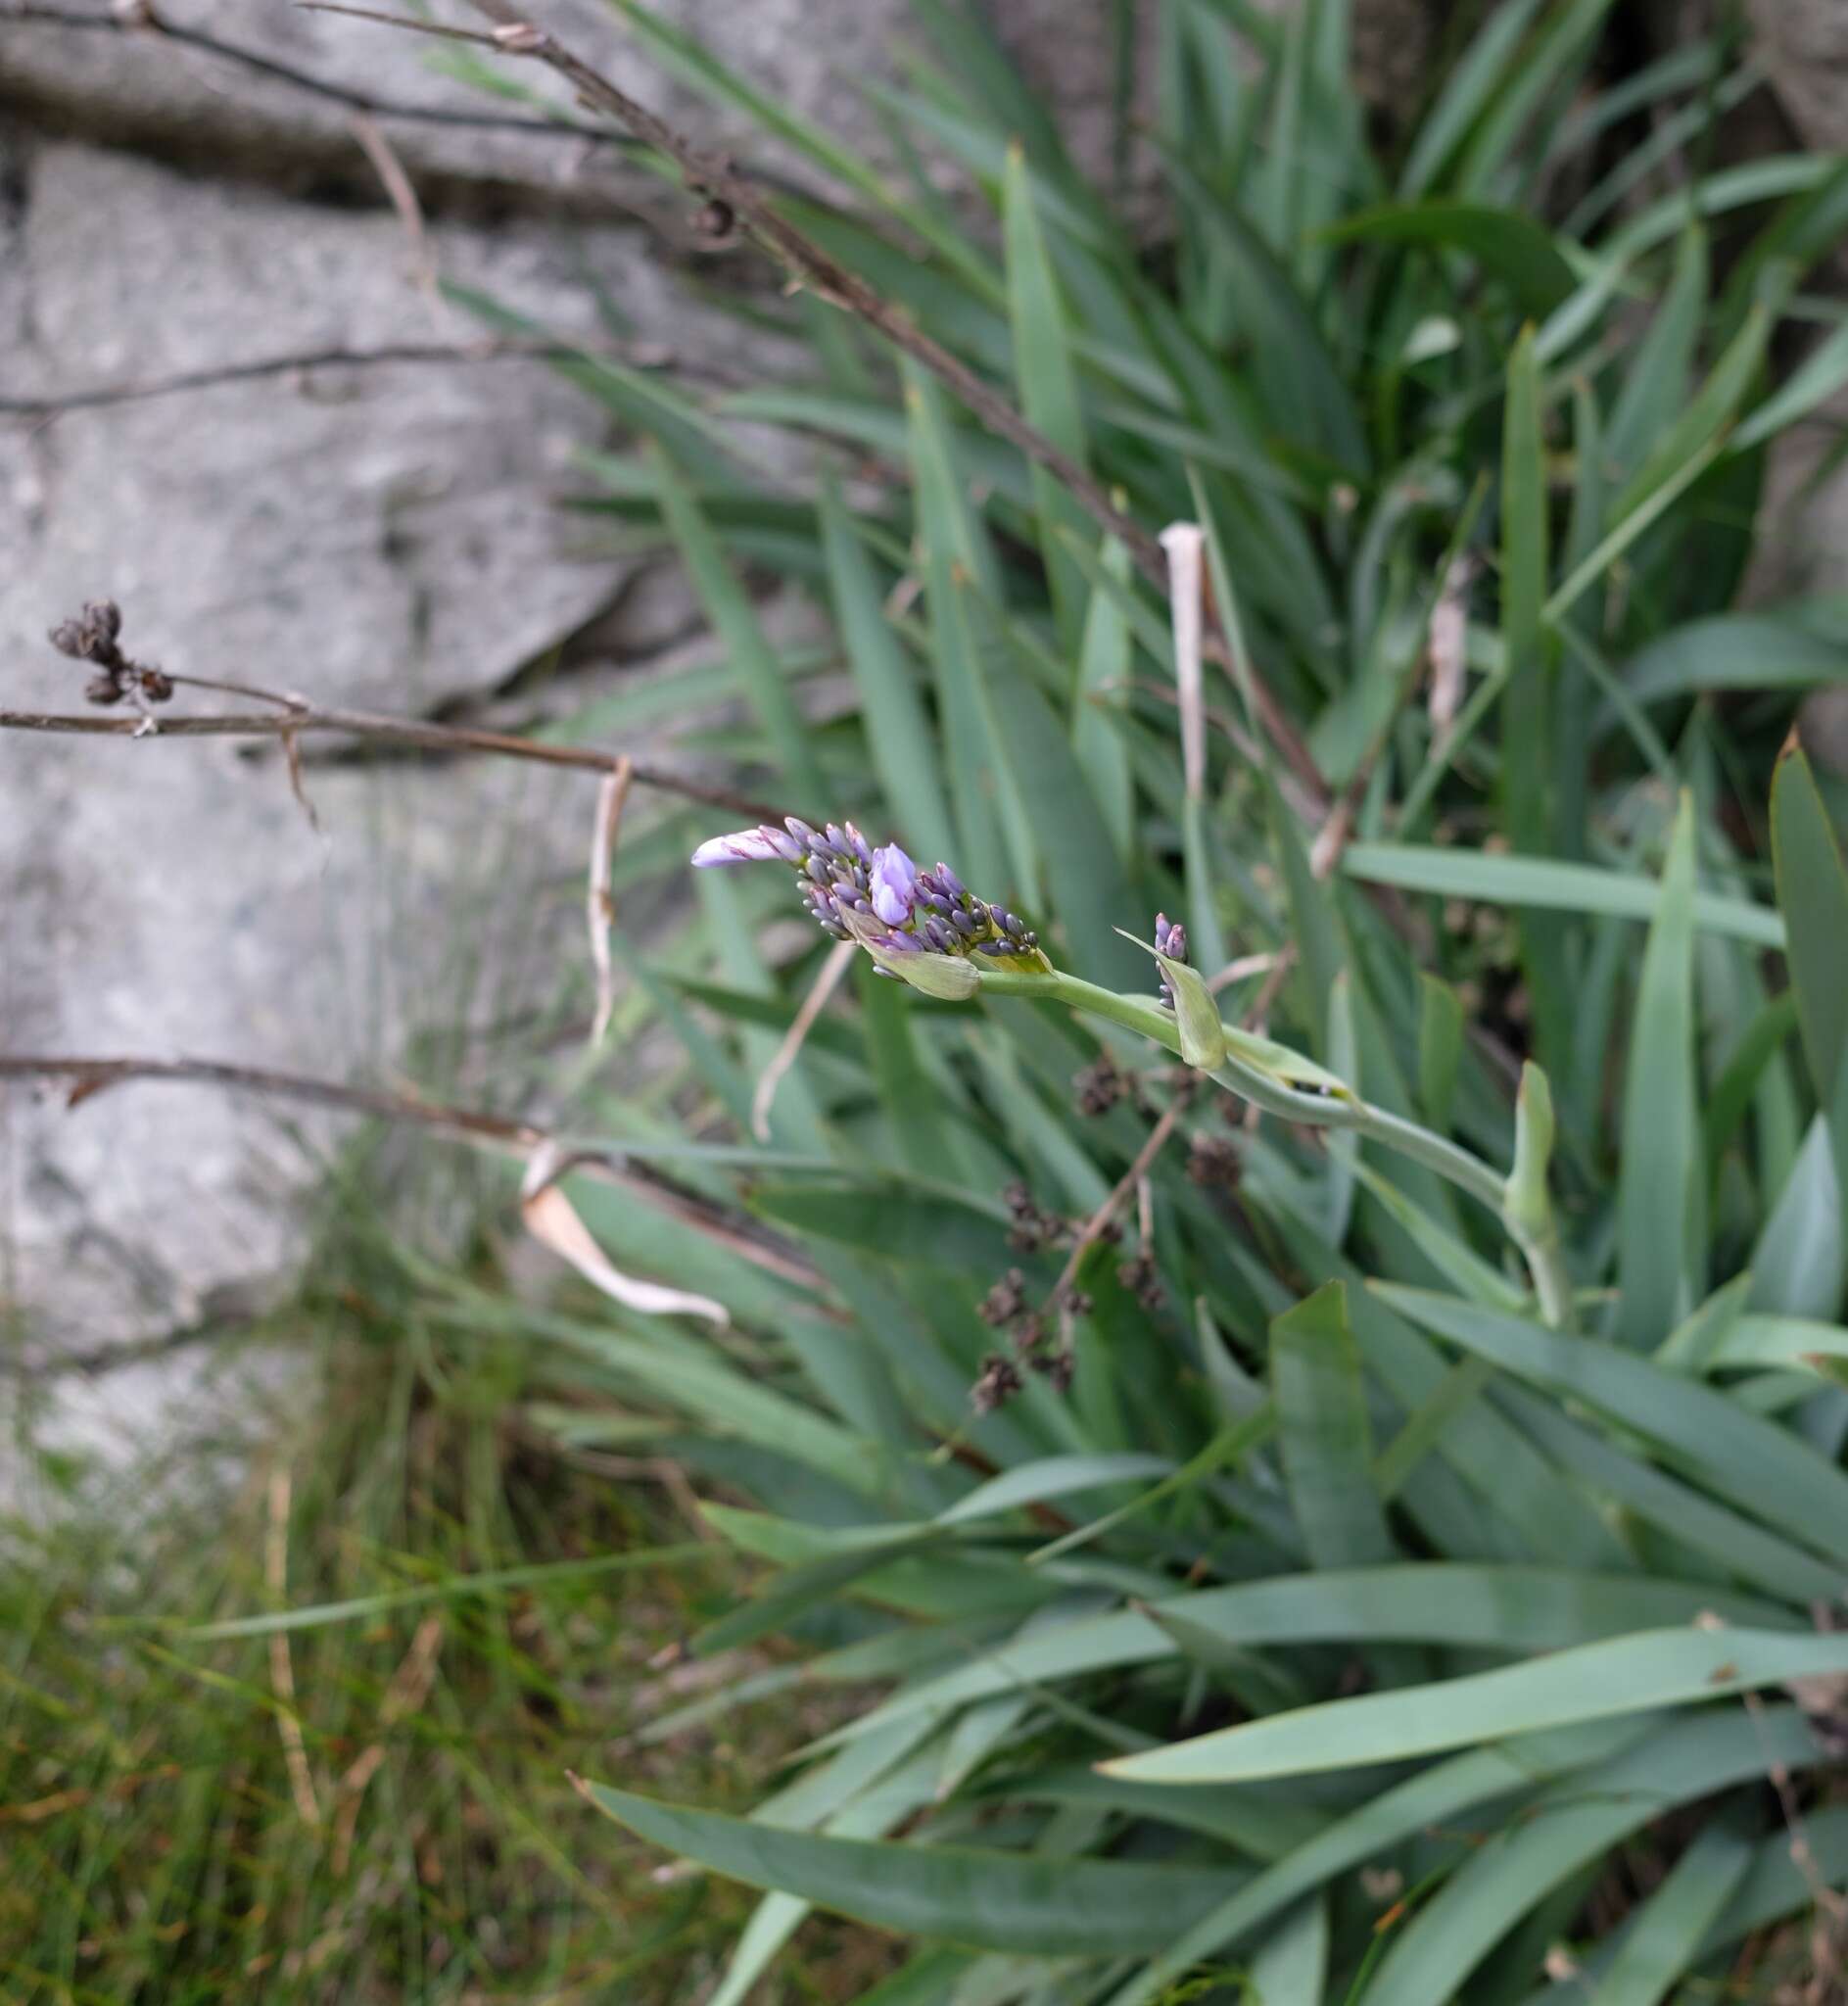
x,y
1140,1276
95,636
1213,1161
1030,1227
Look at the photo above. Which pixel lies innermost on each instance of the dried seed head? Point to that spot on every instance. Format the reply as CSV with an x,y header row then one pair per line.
x,y
1005,1301
1212,1161
1098,1087
999,1382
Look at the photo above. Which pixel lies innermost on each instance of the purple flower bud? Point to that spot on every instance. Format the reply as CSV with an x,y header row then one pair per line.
x,y
965,923
743,846
950,882
894,885
940,935
897,944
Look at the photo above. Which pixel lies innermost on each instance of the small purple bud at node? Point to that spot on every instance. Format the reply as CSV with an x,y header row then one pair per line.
x,y
894,885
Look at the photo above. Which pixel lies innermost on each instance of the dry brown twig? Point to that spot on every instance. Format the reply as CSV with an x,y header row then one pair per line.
x,y
95,637
145,21
89,1076
495,349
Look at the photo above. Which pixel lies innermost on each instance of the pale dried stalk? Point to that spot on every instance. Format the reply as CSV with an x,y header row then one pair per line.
x,y
404,199
602,905
281,1669
1185,544
408,1692
840,958
551,1221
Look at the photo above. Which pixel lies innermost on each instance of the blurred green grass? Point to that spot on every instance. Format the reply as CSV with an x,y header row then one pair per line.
x,y
157,1845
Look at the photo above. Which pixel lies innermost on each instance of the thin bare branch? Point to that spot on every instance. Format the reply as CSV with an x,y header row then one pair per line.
x,y
102,396
399,731
261,65
89,1076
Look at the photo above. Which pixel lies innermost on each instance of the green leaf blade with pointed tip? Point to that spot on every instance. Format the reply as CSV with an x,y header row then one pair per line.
x,y
1029,1904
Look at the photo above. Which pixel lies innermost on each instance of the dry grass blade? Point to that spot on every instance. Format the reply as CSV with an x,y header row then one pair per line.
x,y
1185,544
281,1668
839,959
403,199
600,904
551,1221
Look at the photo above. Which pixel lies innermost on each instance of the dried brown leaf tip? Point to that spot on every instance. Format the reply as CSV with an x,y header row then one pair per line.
x,y
95,636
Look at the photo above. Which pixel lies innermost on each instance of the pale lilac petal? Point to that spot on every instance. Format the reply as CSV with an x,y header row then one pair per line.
x,y
894,888
742,847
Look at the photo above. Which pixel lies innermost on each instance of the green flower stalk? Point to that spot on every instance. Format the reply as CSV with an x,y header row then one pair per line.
x,y
928,930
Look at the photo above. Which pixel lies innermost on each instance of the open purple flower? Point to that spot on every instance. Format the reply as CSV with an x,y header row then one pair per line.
x,y
894,885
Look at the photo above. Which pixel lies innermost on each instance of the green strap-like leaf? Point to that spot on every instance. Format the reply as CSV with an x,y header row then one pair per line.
x,y
1633,1674
1020,1902
1660,1244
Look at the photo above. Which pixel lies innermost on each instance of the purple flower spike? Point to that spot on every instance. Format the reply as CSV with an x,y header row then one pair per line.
x,y
894,885
745,846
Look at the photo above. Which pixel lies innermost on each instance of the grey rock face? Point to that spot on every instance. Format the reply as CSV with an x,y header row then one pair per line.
x,y
1803,45
382,537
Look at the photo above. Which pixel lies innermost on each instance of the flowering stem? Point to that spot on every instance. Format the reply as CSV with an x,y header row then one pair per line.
x,y
1318,1110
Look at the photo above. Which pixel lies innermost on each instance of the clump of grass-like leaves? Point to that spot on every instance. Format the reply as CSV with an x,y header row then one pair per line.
x,y
1396,1571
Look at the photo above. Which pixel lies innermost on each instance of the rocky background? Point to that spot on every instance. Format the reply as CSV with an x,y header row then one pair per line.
x,y
381,535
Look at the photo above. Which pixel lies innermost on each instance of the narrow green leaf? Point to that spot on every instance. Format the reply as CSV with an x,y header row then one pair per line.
x,y
1323,1432
730,611
1439,1048
1762,1468
1505,242
1104,667
1526,704
1655,383
1541,881
1703,423
1633,1674
1729,651
1488,1608
1813,895
1434,1798
1048,387
1578,1821
1812,384
950,541
1029,1904
1672,1924
1084,874
898,733
1465,94
1660,1231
